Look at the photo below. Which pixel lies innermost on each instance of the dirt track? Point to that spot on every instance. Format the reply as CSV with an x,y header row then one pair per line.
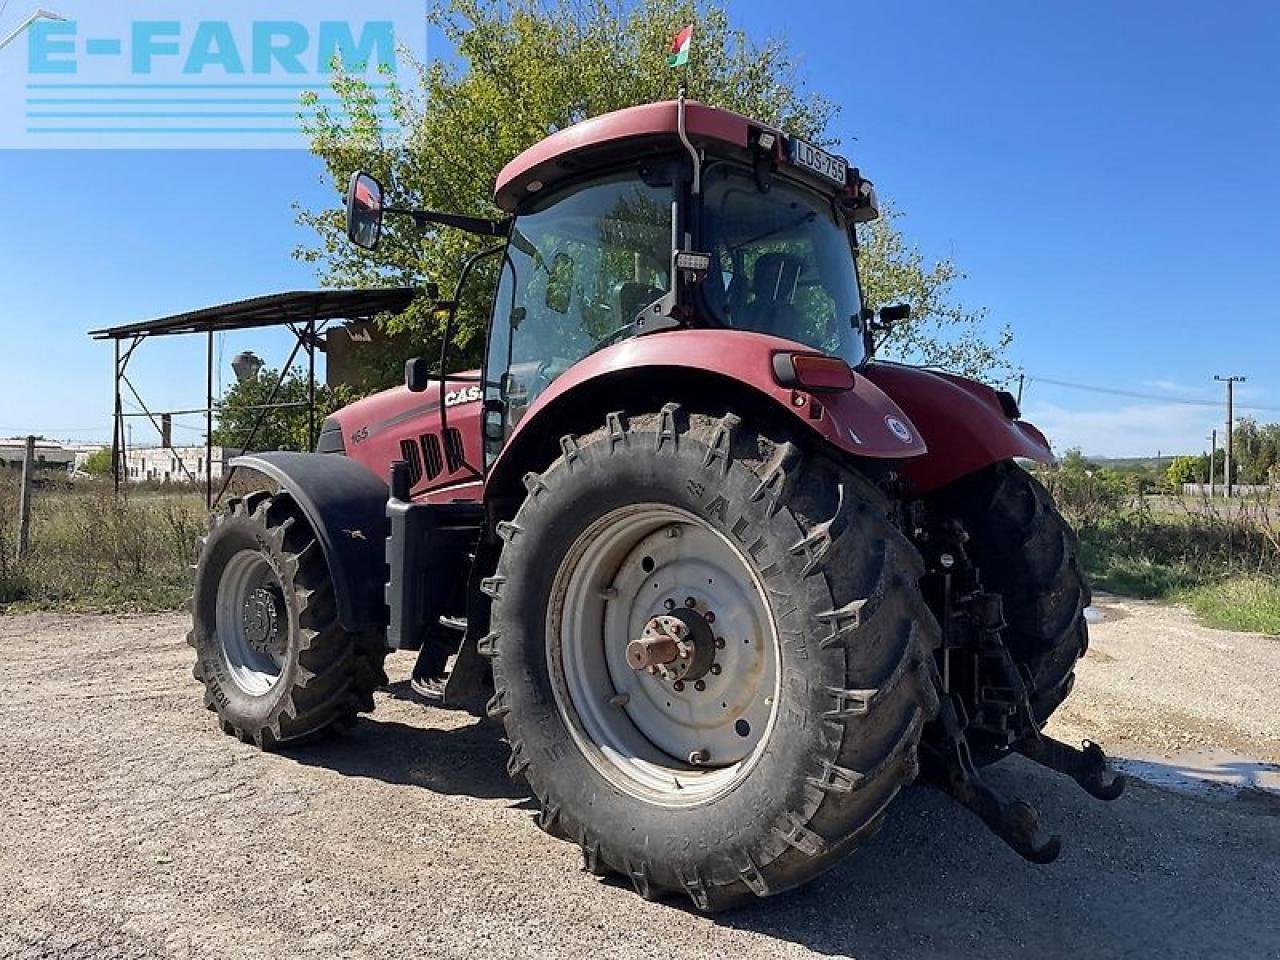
x,y
130,827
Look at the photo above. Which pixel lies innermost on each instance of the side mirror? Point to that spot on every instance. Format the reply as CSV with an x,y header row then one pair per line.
x,y
417,377
364,210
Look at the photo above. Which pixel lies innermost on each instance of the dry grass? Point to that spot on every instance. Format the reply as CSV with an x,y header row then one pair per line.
x,y
90,551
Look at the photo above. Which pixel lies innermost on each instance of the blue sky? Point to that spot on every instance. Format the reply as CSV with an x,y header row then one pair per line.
x,y
1105,173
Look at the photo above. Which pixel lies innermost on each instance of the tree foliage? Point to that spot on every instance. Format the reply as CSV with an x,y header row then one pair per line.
x,y
1256,452
1186,469
527,68
284,425
98,463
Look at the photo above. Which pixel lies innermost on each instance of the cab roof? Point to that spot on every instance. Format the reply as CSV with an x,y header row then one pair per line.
x,y
631,132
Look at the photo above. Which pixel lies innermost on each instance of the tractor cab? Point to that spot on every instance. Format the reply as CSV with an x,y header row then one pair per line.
x,y
663,216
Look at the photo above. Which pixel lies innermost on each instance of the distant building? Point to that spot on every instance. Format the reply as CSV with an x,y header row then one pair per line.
x,y
166,464
50,455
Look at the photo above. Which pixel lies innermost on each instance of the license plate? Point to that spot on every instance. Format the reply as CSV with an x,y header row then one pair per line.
x,y
817,160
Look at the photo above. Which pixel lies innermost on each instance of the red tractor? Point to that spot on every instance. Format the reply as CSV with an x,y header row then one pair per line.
x,y
728,582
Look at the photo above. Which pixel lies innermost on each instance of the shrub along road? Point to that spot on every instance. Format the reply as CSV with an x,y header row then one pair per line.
x,y
130,827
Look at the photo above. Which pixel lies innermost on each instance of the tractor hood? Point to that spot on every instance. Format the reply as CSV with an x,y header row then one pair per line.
x,y
442,448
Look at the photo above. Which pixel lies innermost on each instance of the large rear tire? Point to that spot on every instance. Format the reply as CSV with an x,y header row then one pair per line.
x,y
1028,553
275,662
772,745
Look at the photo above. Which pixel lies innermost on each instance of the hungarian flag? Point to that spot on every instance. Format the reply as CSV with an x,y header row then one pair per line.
x,y
679,55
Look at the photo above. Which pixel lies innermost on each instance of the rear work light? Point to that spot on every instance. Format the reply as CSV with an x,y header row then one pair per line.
x,y
813,372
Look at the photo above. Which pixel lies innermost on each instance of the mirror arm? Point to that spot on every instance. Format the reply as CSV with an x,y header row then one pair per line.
x,y
448,329
477,225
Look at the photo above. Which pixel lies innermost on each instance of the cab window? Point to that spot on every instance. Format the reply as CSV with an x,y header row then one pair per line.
x,y
579,268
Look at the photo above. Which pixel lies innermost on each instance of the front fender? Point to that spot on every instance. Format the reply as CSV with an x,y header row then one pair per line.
x,y
346,506
863,421
962,421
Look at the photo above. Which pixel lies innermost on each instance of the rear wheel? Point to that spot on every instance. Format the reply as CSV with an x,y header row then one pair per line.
x,y
710,655
276,664
1025,551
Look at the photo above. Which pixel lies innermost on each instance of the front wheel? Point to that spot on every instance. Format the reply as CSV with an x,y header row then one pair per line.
x,y
710,655
276,664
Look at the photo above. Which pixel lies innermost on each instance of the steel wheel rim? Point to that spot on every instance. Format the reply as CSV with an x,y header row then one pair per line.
x,y
251,622
639,730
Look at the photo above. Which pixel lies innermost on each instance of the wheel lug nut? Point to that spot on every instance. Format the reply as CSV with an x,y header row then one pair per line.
x,y
669,604
710,616
673,532
715,669
690,602
678,686
700,685
719,643
699,757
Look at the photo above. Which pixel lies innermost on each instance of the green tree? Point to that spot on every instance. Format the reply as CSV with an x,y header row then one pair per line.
x,y
284,425
526,68
98,463
1256,451
1184,470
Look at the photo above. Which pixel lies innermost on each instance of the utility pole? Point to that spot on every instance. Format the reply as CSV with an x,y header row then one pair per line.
x,y
1230,382
1022,377
1213,453
24,501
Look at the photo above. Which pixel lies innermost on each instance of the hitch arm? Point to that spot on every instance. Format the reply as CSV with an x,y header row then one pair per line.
x,y
1087,767
1015,822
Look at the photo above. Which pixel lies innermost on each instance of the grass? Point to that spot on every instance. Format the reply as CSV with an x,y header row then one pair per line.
x,y
1223,562
1239,603
92,553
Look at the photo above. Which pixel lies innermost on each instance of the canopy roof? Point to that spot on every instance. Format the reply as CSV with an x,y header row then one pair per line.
x,y
275,310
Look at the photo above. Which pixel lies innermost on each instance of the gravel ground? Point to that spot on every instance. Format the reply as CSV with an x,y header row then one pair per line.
x,y
130,827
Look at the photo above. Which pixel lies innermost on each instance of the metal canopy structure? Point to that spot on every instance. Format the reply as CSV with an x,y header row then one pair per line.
x,y
305,313
274,310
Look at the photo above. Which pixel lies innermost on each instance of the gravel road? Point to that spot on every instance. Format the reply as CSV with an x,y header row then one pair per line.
x,y
130,827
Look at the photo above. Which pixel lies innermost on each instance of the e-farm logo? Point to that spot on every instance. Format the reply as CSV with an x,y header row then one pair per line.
x,y
221,74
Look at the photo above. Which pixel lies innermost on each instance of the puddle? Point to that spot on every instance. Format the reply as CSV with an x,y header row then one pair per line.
x,y
1211,774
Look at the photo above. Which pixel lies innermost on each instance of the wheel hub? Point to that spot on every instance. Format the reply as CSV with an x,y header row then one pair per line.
x,y
263,614
678,645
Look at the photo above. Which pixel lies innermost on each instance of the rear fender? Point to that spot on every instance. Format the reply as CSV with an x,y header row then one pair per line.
x,y
863,422
346,506
963,422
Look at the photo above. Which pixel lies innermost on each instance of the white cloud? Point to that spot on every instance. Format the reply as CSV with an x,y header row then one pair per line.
x,y
1173,386
1132,430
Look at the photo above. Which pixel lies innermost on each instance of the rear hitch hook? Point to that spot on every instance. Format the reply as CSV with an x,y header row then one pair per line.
x,y
1087,766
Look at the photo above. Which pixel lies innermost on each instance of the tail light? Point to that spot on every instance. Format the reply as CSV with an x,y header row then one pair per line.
x,y
813,372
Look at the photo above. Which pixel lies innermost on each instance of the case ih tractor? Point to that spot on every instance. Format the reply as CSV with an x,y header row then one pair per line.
x,y
728,582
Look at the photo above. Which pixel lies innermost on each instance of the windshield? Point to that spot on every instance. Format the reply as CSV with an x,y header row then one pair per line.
x,y
581,265
786,263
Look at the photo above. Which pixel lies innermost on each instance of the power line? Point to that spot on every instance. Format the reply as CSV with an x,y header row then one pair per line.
x,y
1116,392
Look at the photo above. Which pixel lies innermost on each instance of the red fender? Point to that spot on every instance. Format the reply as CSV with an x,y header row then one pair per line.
x,y
962,421
862,421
